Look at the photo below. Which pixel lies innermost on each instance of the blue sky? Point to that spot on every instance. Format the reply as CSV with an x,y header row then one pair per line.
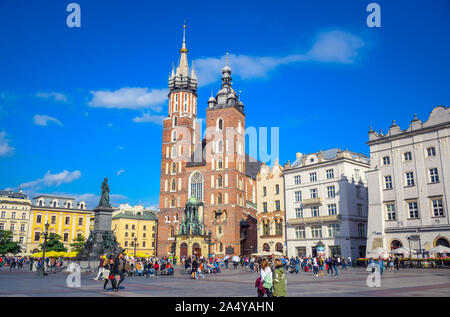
x,y
80,104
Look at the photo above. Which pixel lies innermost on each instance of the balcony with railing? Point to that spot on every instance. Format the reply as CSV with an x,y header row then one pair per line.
x,y
312,201
313,220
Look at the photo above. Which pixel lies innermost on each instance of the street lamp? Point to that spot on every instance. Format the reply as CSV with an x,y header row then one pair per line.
x,y
135,245
209,242
45,247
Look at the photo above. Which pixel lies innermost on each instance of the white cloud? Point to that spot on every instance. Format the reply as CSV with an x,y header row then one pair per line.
x,y
65,177
336,46
331,47
56,96
152,207
120,172
5,148
120,147
43,120
129,98
158,119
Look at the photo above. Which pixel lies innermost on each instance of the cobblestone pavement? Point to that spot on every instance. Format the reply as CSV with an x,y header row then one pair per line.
x,y
232,283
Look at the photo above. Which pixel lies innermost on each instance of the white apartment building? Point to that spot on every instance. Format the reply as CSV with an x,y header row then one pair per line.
x,y
326,203
409,185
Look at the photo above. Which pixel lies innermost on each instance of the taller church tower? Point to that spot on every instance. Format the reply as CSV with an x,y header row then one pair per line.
x,y
178,143
213,170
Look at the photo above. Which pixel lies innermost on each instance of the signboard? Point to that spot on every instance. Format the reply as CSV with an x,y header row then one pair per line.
x,y
229,250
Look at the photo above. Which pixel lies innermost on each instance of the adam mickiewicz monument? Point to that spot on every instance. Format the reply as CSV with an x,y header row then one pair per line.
x,y
102,240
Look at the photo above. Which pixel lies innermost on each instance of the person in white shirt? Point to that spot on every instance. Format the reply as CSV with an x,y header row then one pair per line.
x,y
315,266
266,277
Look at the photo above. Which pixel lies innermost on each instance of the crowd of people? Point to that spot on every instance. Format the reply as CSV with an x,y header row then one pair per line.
x,y
271,272
31,263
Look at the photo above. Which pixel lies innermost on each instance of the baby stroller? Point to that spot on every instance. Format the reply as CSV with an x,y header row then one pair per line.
x,y
292,268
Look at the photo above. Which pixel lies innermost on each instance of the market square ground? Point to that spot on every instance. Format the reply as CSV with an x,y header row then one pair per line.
x,y
231,283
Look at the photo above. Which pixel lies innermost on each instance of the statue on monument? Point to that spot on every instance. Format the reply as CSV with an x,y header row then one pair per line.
x,y
104,199
90,240
109,241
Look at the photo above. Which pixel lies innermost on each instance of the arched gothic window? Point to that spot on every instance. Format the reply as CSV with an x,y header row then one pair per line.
x,y
175,121
197,186
174,185
174,168
219,199
172,202
220,147
219,181
174,135
174,151
220,124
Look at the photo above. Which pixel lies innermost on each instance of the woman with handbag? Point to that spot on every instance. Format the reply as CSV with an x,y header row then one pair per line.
x,y
266,278
108,274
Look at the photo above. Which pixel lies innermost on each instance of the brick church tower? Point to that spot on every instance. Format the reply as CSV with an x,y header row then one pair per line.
x,y
216,171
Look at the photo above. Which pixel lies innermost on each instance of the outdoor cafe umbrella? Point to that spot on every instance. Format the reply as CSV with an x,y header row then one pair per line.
x,y
440,249
401,250
226,257
236,258
375,253
52,254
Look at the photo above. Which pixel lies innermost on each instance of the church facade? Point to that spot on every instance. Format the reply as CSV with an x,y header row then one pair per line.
x,y
213,169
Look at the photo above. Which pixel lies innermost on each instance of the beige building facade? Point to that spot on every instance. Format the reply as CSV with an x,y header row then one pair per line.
x,y
14,216
271,209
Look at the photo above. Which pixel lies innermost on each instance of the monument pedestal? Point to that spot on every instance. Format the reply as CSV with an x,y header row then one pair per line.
x,y
101,241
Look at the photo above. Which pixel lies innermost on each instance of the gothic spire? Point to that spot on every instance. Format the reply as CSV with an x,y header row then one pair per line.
x,y
183,64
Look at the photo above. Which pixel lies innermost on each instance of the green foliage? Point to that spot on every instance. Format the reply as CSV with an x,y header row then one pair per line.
x,y
54,243
78,244
7,245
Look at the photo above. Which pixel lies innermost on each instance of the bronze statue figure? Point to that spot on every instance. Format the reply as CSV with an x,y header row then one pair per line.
x,y
90,240
108,241
104,199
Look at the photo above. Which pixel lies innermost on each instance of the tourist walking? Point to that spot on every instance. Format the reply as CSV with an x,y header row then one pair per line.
x,y
100,268
279,280
334,264
266,279
195,266
320,263
315,267
381,264
119,271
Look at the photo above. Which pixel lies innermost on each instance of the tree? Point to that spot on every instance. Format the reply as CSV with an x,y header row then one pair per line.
x,y
54,243
7,245
78,244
